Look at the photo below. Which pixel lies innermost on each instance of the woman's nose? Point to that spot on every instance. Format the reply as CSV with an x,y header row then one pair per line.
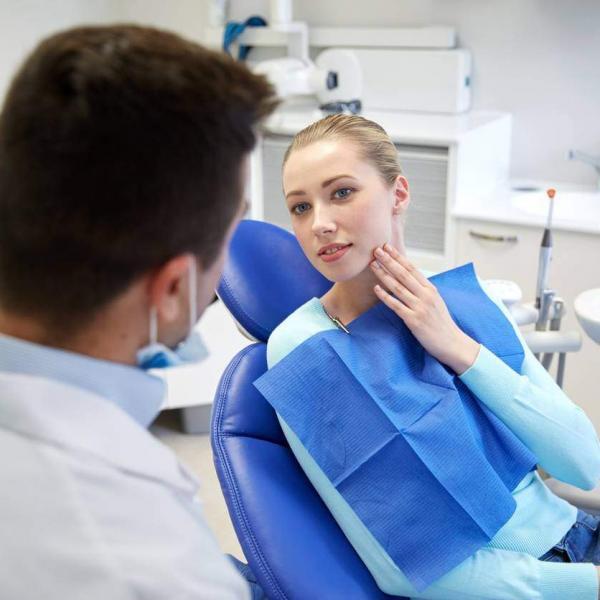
x,y
322,221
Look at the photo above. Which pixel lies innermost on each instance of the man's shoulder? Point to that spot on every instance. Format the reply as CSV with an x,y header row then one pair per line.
x,y
303,323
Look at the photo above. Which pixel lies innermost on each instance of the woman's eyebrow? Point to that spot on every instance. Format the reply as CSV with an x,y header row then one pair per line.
x,y
295,193
323,185
330,181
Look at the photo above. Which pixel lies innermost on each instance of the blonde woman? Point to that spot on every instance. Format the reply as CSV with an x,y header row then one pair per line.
x,y
348,200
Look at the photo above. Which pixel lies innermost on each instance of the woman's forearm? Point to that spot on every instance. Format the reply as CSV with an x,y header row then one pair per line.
x,y
492,574
557,431
538,412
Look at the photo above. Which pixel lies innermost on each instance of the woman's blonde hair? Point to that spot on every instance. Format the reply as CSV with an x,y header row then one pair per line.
x,y
374,144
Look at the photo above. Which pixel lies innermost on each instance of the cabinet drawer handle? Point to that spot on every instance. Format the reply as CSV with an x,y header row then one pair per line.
x,y
508,239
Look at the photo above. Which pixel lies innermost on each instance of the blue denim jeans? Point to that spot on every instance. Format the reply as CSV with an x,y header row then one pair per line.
x,y
580,544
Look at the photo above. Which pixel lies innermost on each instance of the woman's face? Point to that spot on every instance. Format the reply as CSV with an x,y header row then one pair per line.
x,y
341,208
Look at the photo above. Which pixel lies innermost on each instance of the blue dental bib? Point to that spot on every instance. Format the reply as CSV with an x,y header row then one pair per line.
x,y
426,467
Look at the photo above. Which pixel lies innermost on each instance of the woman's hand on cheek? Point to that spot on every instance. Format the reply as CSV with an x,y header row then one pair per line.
x,y
418,303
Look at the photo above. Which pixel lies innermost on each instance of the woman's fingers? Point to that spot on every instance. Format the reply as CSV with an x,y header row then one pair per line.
x,y
394,286
407,265
398,270
396,305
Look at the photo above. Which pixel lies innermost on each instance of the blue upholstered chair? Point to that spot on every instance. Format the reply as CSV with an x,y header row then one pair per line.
x,y
291,541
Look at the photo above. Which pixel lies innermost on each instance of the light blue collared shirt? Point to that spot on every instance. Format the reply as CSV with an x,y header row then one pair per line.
x,y
136,392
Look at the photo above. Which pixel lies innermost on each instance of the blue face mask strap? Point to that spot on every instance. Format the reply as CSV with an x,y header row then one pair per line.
x,y
153,325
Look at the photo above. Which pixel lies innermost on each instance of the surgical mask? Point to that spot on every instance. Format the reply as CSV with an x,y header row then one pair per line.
x,y
190,350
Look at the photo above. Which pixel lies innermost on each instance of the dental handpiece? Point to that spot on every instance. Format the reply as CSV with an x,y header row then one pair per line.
x,y
545,258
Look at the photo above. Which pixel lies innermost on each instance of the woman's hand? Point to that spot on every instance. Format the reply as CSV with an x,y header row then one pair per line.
x,y
418,303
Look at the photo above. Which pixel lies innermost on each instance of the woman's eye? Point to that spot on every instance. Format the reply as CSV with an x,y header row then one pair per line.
x,y
343,192
299,208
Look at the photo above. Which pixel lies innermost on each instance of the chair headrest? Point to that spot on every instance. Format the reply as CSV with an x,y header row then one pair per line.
x,y
266,277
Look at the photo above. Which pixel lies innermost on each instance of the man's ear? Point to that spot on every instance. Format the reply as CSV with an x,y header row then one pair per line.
x,y
401,195
165,287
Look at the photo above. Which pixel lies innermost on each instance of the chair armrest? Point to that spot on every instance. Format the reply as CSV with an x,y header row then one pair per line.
x,y
553,341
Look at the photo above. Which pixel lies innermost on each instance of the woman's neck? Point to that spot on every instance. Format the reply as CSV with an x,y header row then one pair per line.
x,y
346,300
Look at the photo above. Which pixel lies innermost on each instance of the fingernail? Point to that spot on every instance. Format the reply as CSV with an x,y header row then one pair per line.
x,y
375,264
379,252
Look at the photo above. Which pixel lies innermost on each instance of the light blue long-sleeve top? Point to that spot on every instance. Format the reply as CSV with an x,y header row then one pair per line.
x,y
542,416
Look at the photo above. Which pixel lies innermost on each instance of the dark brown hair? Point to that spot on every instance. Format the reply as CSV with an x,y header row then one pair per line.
x,y
120,148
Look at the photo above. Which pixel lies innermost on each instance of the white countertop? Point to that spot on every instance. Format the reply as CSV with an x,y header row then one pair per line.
x,y
501,207
402,126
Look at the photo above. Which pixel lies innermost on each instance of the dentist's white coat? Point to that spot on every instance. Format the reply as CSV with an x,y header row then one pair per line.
x,y
93,507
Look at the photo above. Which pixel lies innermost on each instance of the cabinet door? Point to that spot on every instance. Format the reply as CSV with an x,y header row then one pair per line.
x,y
500,251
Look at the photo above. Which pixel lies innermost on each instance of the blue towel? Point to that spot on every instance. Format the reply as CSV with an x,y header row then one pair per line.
x,y
426,467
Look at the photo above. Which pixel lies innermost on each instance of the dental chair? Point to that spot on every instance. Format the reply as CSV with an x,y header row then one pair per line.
x,y
292,543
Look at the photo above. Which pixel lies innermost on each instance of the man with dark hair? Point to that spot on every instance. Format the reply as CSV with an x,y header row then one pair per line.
x,y
123,153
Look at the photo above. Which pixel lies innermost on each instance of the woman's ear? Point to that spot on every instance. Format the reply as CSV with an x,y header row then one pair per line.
x,y
401,195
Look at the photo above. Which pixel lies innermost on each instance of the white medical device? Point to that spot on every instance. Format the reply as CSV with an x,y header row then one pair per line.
x,y
293,76
406,79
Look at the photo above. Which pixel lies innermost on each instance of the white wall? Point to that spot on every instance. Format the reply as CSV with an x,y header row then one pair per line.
x,y
186,17
538,59
23,23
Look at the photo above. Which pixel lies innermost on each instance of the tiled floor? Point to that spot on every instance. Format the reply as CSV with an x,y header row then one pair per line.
x,y
195,453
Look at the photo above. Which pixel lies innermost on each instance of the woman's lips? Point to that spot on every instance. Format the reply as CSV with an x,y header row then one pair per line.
x,y
335,255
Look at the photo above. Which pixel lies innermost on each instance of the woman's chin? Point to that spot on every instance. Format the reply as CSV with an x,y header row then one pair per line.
x,y
338,274
344,269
